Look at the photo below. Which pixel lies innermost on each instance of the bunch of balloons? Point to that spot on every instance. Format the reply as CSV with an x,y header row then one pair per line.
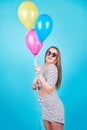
x,y
28,15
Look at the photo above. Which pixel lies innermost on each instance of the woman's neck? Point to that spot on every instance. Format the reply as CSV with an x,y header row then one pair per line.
x,y
47,64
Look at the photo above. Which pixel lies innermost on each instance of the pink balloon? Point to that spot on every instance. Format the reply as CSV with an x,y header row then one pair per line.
x,y
32,42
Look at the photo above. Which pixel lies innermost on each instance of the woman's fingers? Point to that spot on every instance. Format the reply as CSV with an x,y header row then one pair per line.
x,y
34,86
38,68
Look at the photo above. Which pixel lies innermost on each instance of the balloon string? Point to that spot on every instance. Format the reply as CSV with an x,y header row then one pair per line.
x,y
36,61
39,112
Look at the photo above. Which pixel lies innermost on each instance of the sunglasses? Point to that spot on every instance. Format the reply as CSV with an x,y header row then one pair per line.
x,y
50,53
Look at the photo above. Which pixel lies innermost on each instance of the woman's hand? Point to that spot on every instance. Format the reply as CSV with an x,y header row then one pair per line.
x,y
38,69
35,84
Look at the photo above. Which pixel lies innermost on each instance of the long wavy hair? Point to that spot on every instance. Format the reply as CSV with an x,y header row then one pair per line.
x,y
58,65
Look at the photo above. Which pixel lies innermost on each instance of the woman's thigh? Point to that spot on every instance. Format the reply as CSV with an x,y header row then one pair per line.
x,y
47,125
56,126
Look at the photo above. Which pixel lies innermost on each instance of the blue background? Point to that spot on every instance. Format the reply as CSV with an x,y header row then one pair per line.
x,y
18,102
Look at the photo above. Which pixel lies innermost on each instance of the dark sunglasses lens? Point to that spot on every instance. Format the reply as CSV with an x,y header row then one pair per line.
x,y
53,54
48,53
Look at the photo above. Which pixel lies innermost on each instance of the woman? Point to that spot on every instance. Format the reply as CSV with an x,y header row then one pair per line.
x,y
49,78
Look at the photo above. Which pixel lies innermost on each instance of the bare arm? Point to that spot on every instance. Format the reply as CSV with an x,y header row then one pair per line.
x,y
49,88
46,84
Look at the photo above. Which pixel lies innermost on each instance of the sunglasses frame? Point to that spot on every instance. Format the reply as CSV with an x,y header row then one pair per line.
x,y
52,54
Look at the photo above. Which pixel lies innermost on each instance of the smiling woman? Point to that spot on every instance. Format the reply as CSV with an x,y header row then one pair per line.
x,y
49,78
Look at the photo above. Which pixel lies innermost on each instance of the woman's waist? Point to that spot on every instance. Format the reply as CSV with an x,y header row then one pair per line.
x,y
51,100
42,92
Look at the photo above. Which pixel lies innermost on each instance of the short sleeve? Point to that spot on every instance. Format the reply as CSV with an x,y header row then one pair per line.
x,y
52,75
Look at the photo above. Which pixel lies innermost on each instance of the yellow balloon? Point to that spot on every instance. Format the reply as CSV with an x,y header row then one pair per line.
x,y
28,13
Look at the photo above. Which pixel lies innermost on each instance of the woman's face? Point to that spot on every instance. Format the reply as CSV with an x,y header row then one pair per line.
x,y
51,56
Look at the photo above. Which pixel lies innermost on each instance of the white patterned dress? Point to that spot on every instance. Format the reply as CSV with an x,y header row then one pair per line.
x,y
52,106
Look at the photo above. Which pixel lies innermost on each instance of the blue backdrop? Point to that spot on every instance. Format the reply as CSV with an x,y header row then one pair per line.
x,y
18,102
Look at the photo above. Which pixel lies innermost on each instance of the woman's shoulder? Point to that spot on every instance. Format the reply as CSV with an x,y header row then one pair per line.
x,y
52,67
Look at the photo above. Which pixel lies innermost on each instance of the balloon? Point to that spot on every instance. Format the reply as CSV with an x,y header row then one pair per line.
x,y
43,26
33,44
27,13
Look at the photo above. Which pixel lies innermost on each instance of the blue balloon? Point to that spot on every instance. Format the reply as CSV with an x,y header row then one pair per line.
x,y
43,26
